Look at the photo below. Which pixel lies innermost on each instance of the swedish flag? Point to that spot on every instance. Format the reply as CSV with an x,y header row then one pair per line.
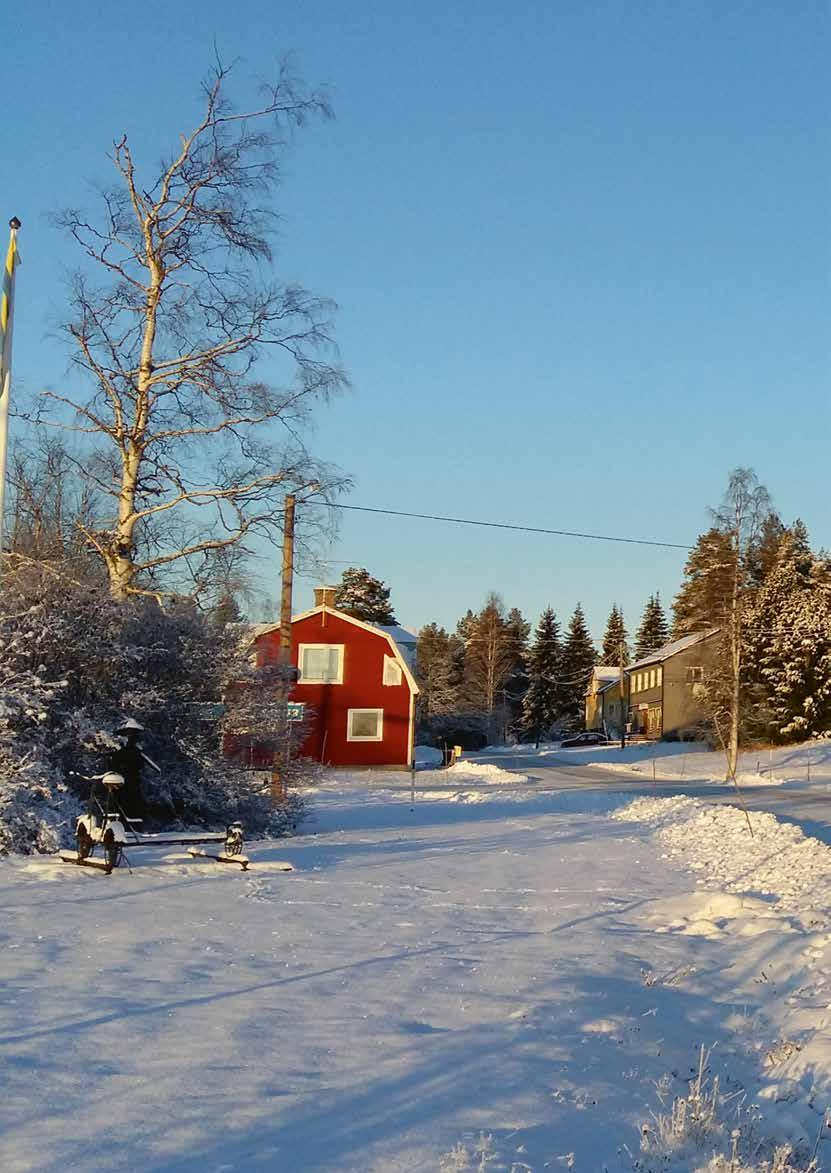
x,y
6,314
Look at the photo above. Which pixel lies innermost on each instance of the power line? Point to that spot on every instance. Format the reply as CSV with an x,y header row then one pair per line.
x,y
529,529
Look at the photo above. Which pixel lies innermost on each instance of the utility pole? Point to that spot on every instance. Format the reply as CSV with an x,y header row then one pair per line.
x,y
287,581
622,698
278,786
6,320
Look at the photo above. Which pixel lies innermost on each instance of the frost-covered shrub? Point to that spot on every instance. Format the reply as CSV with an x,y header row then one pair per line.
x,y
73,665
707,1131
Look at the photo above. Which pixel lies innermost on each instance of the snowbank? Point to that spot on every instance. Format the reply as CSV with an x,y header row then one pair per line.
x,y
469,772
777,862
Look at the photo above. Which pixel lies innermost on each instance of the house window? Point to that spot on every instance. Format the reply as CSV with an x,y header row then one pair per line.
x,y
633,683
392,670
365,725
320,663
659,676
695,675
651,677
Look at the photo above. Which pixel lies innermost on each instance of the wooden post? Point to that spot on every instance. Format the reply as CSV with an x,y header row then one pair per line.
x,y
278,787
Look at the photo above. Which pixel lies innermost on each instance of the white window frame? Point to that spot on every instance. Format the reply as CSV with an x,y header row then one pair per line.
x,y
301,653
350,713
392,666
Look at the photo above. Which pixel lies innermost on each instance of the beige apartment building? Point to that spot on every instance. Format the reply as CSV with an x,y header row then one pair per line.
x,y
664,691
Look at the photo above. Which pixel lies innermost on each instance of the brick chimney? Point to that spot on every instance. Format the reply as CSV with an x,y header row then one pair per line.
x,y
325,596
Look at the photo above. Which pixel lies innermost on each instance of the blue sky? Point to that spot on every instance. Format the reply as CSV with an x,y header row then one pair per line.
x,y
581,252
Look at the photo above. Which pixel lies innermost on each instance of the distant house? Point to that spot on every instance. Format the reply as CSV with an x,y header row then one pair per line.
x,y
355,682
600,678
664,691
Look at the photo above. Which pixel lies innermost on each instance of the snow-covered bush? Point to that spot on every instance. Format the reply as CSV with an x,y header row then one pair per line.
x,y
73,664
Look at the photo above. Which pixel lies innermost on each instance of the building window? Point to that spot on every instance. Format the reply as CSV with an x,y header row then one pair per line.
x,y
651,677
695,675
320,663
659,676
365,725
392,670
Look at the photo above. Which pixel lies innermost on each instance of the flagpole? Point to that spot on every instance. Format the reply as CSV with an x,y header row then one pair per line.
x,y
6,325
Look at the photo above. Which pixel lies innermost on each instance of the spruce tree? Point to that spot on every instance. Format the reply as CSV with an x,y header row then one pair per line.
x,y
365,597
516,685
762,555
541,705
787,647
578,660
614,641
653,632
703,600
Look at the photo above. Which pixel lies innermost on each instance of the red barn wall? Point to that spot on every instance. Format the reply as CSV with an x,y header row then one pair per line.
x,y
362,688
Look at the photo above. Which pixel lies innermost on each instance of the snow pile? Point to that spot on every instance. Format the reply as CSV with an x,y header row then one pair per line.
x,y
777,861
472,772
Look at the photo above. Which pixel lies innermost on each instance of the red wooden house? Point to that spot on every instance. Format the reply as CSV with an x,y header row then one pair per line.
x,y
356,683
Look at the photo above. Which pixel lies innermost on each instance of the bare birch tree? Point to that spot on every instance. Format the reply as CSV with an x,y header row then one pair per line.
x,y
741,516
175,315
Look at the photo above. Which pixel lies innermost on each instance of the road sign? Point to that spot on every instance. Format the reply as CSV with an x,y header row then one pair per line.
x,y
297,710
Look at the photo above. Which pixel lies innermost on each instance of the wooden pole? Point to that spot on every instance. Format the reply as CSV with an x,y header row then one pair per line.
x,y
278,789
623,711
287,581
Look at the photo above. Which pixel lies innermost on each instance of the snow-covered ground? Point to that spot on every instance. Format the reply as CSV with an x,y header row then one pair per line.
x,y
683,761
492,962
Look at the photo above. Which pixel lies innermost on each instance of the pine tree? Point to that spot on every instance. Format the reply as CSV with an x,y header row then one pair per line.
x,y
614,641
542,702
579,657
653,632
365,597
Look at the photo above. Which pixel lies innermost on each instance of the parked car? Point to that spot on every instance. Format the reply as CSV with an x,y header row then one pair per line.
x,y
584,739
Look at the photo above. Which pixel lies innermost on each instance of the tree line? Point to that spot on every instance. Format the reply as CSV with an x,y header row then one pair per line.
x,y
490,675
749,578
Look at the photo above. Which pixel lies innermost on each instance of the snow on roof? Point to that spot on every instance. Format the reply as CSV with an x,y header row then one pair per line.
x,y
403,639
673,648
401,635
606,672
